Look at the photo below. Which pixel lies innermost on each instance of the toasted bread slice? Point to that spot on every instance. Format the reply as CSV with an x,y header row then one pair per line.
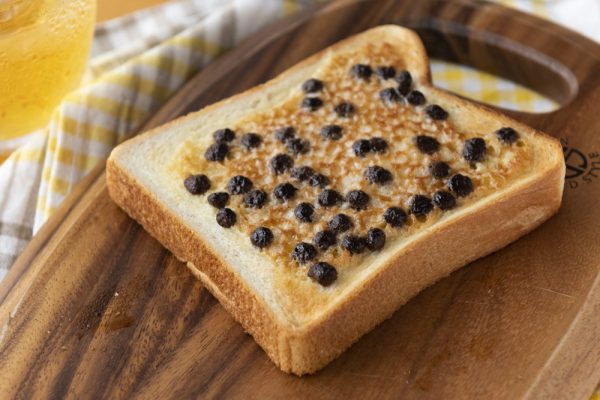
x,y
302,314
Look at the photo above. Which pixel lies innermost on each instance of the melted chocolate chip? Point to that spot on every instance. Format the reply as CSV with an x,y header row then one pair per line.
x,y
218,199
386,72
461,185
444,200
340,223
329,198
507,135
361,71
223,135
375,239
324,239
378,175
395,216
357,199
323,273
416,98
390,95
361,147
281,163
302,173
226,217
216,152
318,180
304,252
298,146
312,103
251,140
197,184
255,198
304,212
332,132
439,169
378,145
420,205
436,112
312,86
284,134
474,149
404,80
427,144
354,244
345,110
239,185
284,191
261,237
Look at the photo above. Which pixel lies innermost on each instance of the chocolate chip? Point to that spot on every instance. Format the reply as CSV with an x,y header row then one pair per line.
x,y
340,223
261,237
427,144
395,216
226,217
444,200
361,147
239,185
404,80
345,110
474,149
197,184
284,191
332,132
318,180
302,173
281,163
378,175
361,71
357,199
416,98
461,185
386,72
507,135
324,239
216,152
354,244
304,252
375,239
439,169
304,212
218,199
323,273
312,103
378,145
312,86
298,146
389,95
285,133
255,198
329,197
436,112
251,140
224,135
420,205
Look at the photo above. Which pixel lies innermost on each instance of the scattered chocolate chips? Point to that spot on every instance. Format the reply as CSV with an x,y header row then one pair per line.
x,y
436,112
312,86
239,185
302,173
261,237
474,149
378,175
281,163
415,98
223,135
312,103
324,239
357,199
216,152
507,135
329,198
226,217
461,185
304,252
390,95
361,71
197,184
354,244
375,239
298,146
345,110
404,80
255,198
323,273
218,199
378,145
284,191
439,169
386,72
304,212
427,144
420,205
332,132
361,147
318,180
395,216
284,134
340,223
444,200
251,140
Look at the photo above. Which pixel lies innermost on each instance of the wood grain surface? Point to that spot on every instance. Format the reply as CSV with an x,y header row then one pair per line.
x,y
96,308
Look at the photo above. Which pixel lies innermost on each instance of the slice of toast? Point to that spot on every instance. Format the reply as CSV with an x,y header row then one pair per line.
x,y
427,182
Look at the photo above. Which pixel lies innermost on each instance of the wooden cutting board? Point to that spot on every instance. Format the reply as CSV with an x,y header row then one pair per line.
x,y
96,308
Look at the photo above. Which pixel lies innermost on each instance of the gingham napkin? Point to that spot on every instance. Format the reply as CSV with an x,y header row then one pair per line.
x,y
140,60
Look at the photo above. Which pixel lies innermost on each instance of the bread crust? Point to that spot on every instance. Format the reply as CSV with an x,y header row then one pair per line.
x,y
430,256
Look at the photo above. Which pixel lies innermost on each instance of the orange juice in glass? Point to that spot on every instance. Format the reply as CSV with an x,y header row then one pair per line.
x,y
44,47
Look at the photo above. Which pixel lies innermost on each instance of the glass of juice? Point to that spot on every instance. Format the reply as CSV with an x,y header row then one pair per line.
x,y
44,47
